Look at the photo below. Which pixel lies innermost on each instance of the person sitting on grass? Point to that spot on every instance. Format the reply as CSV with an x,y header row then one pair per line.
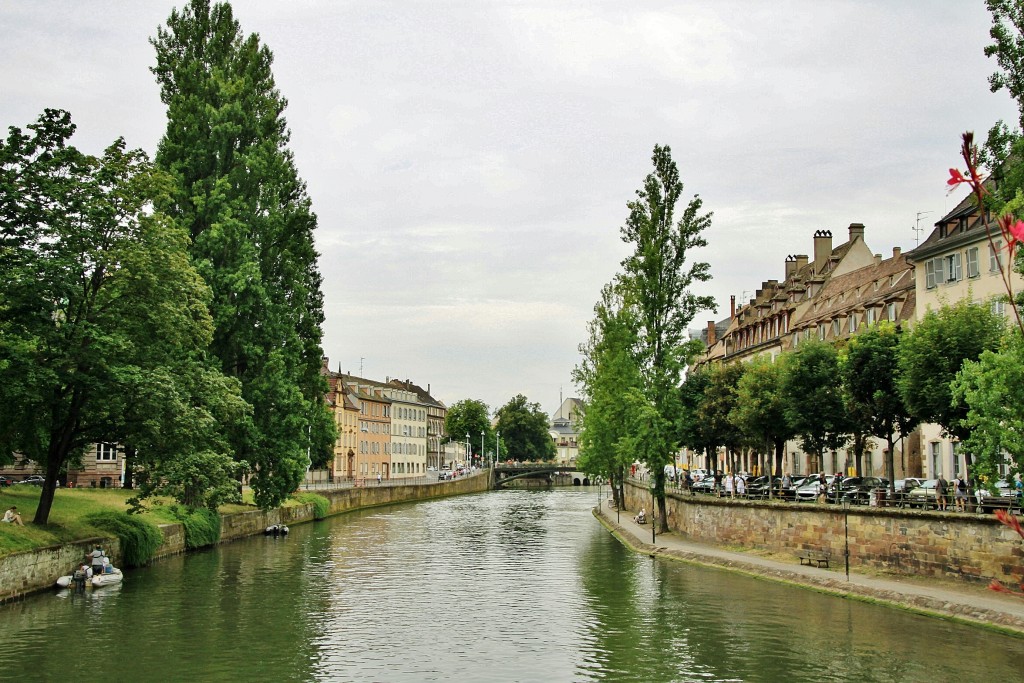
x,y
12,516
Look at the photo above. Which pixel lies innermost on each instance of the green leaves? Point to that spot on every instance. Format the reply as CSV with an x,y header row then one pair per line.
x,y
524,430
238,193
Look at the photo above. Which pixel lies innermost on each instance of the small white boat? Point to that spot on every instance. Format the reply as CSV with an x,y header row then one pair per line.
x,y
276,530
107,578
97,580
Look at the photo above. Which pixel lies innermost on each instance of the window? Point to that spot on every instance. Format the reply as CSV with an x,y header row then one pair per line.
x,y
869,316
852,326
995,256
973,270
837,327
954,272
106,452
935,271
999,306
891,311
935,458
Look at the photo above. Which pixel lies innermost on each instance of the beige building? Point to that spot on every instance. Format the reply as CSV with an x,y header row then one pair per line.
x,y
564,432
408,431
436,413
958,261
835,294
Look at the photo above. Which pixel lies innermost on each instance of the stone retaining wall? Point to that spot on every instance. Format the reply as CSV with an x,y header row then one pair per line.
x,y
964,546
28,572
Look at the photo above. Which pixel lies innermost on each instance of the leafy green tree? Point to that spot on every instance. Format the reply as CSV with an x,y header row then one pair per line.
x,y
469,416
991,388
607,370
760,409
657,283
870,372
99,302
933,352
721,398
524,430
1004,145
812,389
691,429
247,212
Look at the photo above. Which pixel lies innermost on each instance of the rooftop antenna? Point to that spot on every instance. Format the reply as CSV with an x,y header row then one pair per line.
x,y
361,359
917,226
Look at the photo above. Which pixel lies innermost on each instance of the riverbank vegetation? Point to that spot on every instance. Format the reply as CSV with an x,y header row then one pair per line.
x,y
172,307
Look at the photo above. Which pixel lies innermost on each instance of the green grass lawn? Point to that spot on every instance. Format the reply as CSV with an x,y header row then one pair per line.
x,y
70,506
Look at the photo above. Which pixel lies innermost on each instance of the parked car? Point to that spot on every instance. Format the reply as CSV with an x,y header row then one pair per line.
x,y
923,496
32,479
903,488
860,489
698,474
4,481
705,485
808,489
988,501
758,487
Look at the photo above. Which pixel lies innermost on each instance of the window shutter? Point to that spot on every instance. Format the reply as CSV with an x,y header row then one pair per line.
x,y
929,274
940,270
958,272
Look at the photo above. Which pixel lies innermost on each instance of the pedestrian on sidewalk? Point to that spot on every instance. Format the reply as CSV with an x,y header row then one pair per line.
x,y
940,492
730,485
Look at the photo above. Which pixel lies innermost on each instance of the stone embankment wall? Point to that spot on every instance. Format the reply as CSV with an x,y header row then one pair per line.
x,y
963,546
27,572
23,573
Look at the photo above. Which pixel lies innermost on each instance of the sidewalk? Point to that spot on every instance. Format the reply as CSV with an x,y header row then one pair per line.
x,y
964,602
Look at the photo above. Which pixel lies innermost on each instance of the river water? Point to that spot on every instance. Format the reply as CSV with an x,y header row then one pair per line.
x,y
501,586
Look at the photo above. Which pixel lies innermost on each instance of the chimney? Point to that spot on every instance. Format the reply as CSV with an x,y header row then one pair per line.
x,y
801,261
711,333
856,230
822,249
790,266
732,307
324,361
896,251
878,259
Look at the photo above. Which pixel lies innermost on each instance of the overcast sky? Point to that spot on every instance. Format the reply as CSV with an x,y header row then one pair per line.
x,y
470,162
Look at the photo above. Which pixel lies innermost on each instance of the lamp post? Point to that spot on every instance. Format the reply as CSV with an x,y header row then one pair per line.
x,y
469,453
481,448
497,448
846,534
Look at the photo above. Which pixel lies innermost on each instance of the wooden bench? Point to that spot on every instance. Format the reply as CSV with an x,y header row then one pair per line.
x,y
809,557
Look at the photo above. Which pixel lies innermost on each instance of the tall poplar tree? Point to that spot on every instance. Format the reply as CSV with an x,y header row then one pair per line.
x,y
239,194
657,283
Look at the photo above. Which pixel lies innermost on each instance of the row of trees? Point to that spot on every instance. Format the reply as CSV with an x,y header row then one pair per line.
x,y
958,367
880,383
522,424
173,306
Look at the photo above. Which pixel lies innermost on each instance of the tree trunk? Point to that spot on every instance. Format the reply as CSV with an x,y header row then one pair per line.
x,y
890,462
129,467
659,492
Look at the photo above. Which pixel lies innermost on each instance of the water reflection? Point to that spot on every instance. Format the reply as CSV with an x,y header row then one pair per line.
x,y
504,586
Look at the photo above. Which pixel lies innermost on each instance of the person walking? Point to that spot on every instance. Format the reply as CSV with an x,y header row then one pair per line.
x,y
940,492
730,483
741,487
960,493
718,483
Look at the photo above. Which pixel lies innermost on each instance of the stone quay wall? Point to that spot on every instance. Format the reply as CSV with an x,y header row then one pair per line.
x,y
23,573
974,548
36,570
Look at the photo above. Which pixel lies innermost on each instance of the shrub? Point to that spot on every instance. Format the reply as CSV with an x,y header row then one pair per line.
x,y
321,506
202,527
139,538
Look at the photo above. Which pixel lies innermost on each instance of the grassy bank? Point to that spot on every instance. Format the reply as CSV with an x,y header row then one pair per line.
x,y
70,507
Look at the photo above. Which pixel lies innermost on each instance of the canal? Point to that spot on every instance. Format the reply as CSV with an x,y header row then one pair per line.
x,y
501,586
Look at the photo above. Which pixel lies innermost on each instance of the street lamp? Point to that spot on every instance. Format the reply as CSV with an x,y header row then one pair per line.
x,y
497,448
481,448
469,453
846,534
